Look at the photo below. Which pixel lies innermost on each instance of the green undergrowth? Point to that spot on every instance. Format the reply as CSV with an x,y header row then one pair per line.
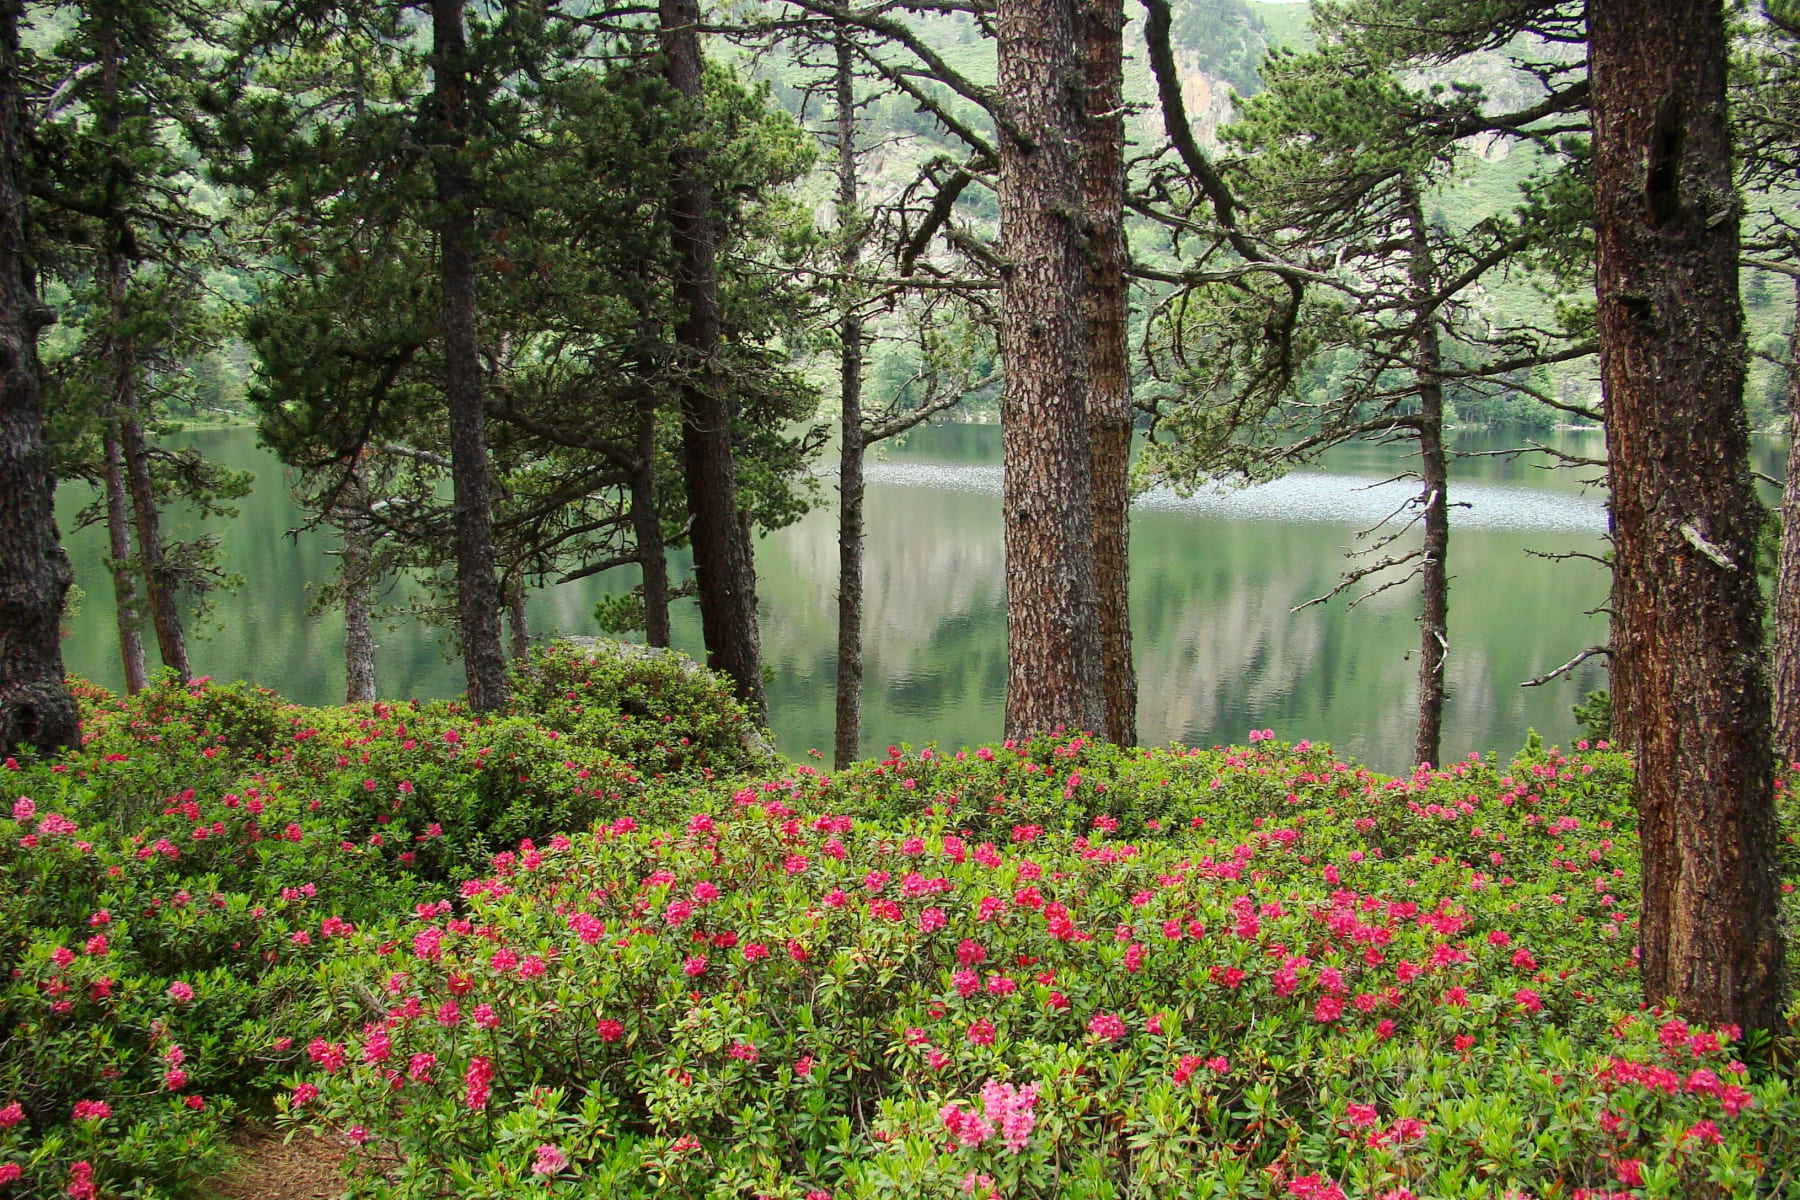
x,y
601,945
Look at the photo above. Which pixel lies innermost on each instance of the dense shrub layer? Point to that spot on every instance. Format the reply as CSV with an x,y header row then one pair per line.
x,y
170,888
1060,970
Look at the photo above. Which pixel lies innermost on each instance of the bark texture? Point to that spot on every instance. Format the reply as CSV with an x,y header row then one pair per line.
x,y
724,562
1687,620
359,625
646,527
1786,709
477,589
1054,677
1434,474
1108,311
122,569
847,736
161,587
123,401
36,708
518,621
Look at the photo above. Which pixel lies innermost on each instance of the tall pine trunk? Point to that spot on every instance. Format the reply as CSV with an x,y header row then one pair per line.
x,y
118,505
359,624
1109,411
1434,474
36,707
477,590
724,562
847,740
1054,677
124,572
646,526
1787,575
1687,619
160,584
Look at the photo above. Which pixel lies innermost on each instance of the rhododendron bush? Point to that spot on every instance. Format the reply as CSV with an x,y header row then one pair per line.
x,y
601,945
1052,970
171,886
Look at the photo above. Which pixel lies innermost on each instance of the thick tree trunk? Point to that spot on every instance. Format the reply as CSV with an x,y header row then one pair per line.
x,y
36,708
1434,475
646,527
724,562
1054,677
1786,729
1687,626
124,572
160,585
359,625
477,590
1108,311
847,740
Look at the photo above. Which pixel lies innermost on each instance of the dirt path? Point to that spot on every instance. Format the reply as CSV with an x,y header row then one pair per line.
x,y
267,1168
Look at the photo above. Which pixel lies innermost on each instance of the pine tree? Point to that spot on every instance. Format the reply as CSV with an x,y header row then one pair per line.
x,y
123,232
578,305
1766,131
36,707
1108,311
1687,617
1334,165
1054,675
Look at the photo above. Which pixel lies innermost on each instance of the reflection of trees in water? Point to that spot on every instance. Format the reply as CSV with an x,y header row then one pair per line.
x,y
934,575
1218,652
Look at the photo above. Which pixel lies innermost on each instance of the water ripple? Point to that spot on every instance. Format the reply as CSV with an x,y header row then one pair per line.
x,y
1324,498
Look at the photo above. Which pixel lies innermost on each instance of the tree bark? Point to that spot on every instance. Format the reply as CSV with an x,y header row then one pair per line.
x,y
123,400
1434,474
1054,677
518,620
724,562
477,589
1786,709
1109,410
1687,622
36,707
646,527
359,626
160,585
847,739
124,572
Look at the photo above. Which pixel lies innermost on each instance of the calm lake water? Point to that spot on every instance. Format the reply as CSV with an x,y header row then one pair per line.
x,y
1213,579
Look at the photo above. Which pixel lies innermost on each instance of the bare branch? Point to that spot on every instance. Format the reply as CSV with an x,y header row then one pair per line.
x,y
1568,668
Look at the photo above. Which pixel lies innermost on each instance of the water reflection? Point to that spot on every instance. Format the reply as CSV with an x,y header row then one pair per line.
x,y
1214,579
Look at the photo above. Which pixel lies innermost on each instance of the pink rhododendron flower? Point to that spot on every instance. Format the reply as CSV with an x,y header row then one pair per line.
x,y
1010,1109
550,1159
477,1080
1107,1026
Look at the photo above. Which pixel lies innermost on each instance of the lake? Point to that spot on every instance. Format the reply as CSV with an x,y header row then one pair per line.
x,y
1214,577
